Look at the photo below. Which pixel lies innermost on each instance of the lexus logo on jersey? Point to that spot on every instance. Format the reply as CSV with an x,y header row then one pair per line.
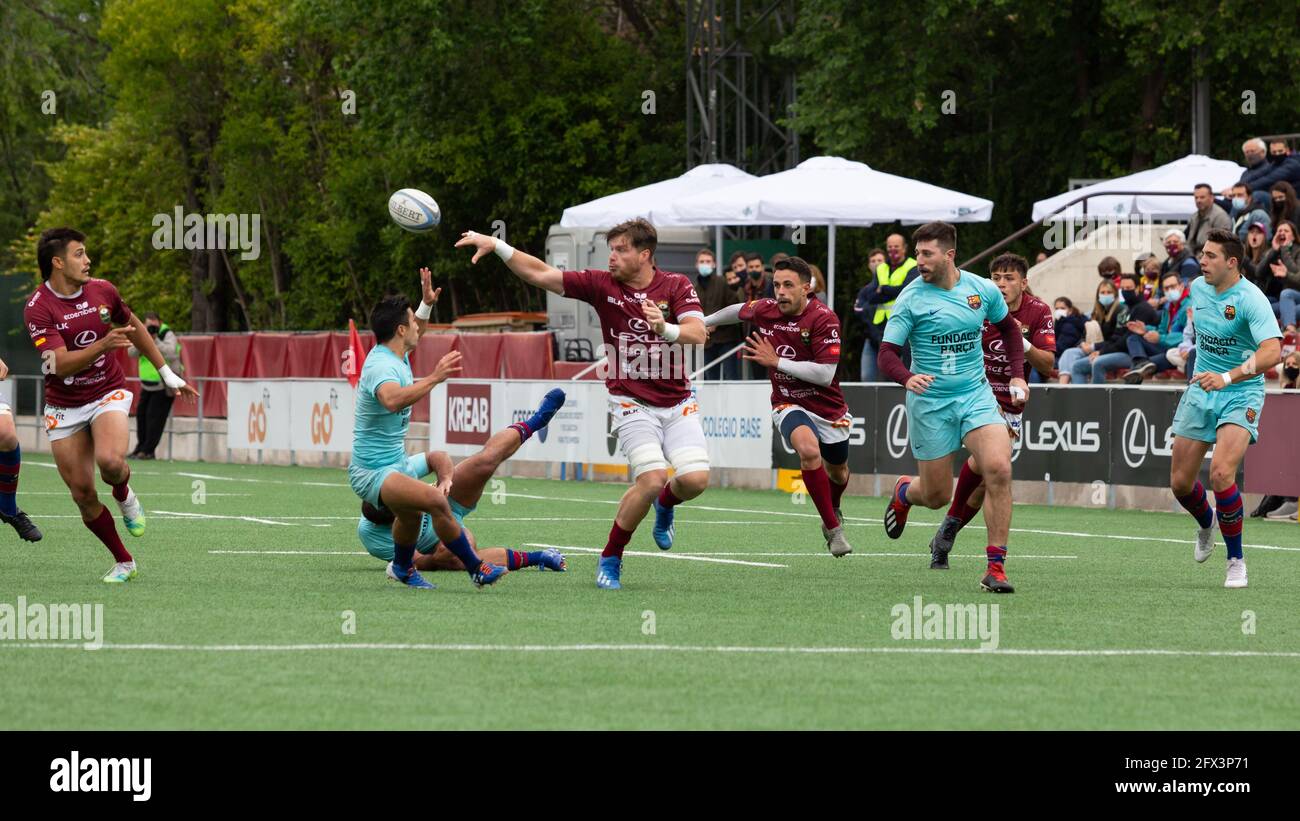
x,y
469,414
785,351
639,325
87,338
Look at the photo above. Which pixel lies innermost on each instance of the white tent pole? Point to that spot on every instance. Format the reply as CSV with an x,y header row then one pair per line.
x,y
830,268
717,246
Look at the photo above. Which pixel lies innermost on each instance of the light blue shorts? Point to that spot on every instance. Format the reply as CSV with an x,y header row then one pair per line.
x,y
1200,413
378,539
938,424
366,482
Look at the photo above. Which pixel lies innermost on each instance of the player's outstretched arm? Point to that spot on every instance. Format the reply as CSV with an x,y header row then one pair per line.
x,y
395,398
525,266
428,298
729,315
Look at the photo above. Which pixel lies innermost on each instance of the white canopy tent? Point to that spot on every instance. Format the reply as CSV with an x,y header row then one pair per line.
x,y
654,201
829,191
1179,175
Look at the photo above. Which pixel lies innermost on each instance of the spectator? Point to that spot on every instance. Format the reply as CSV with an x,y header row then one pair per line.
x,y
155,398
1106,312
1109,269
1278,275
777,257
1265,166
1148,271
1256,248
1112,353
715,293
875,302
1284,202
759,285
1147,345
736,267
1069,325
1208,216
1245,211
1041,258
1180,257
818,283
875,258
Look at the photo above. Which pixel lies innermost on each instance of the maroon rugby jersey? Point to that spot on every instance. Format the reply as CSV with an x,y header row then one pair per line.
x,y
76,322
645,366
1035,318
813,336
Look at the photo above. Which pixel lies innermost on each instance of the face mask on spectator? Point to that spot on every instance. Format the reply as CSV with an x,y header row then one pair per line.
x,y
1059,313
1130,297
1277,157
1174,293
1106,300
1239,203
895,257
1171,249
756,274
1292,374
705,269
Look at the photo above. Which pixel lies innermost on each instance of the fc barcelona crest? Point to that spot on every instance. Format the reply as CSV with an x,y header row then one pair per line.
x,y
1230,312
974,301
1250,415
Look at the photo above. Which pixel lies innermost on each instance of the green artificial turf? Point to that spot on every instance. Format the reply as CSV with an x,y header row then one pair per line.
x,y
806,644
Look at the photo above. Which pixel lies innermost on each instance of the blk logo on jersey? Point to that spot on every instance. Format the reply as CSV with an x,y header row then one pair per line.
x,y
1230,312
974,301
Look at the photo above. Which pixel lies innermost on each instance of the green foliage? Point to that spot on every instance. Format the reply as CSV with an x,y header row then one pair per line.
x,y
501,111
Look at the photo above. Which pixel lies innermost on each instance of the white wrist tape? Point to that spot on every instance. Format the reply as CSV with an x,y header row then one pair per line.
x,y
1017,392
423,311
1227,377
169,378
671,332
1027,345
503,250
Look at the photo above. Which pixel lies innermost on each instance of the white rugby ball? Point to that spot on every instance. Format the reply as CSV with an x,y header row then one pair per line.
x,y
414,210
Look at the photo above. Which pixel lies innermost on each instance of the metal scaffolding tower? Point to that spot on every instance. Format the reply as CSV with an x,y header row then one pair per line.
x,y
736,90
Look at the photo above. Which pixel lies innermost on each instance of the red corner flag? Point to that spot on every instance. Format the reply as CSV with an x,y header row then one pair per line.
x,y
356,355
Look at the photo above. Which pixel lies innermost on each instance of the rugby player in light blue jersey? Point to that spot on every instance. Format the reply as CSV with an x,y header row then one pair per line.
x,y
380,471
941,317
1237,341
463,484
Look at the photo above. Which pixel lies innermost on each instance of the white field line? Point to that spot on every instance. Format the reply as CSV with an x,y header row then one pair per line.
x,y
253,519
848,519
899,649
810,554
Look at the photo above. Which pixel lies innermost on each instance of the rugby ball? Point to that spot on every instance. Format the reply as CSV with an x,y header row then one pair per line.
x,y
414,210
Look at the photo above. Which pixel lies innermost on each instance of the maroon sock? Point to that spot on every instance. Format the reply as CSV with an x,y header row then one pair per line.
x,y
966,484
667,498
837,493
120,491
618,539
105,530
968,513
818,485
516,559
